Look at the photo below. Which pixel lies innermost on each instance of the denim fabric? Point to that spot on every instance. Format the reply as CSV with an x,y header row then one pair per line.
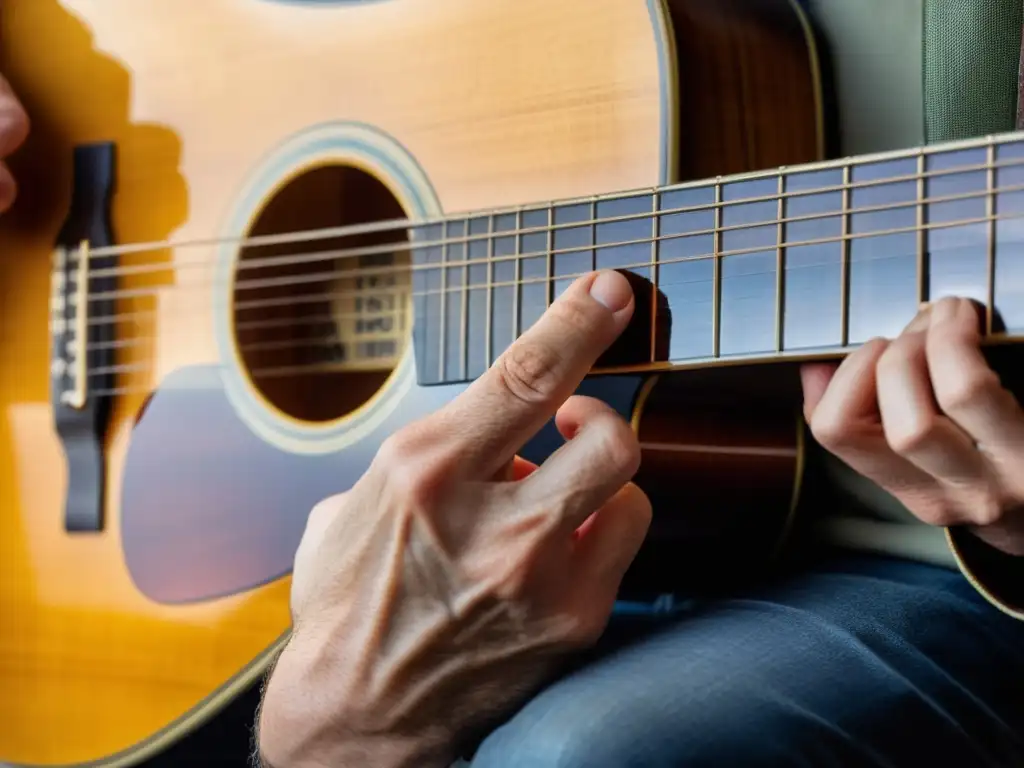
x,y
859,661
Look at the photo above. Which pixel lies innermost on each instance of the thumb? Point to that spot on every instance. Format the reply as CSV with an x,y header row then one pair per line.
x,y
610,538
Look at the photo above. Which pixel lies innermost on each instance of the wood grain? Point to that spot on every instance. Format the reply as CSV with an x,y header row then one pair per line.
x,y
499,103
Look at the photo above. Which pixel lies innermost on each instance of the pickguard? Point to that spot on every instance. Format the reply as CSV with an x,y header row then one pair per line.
x,y
210,509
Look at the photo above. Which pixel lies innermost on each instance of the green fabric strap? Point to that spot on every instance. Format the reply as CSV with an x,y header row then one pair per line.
x,y
971,56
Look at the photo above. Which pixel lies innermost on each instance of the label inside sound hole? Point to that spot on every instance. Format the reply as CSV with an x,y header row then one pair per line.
x,y
371,314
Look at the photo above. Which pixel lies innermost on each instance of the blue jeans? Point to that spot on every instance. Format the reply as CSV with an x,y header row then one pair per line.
x,y
855,661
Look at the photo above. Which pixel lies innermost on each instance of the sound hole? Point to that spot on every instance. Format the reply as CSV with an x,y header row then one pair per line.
x,y
320,322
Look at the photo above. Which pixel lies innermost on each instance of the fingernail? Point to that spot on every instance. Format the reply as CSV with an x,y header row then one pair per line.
x,y
612,289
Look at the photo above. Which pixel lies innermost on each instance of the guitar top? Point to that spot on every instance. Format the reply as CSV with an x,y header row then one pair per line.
x,y
252,242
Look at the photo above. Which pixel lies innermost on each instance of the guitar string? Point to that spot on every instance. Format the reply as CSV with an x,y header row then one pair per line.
x,y
316,342
463,218
390,248
333,366
438,267
644,216
464,288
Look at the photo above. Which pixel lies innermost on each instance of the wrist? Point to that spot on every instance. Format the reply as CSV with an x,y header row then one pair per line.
x,y
285,743
392,751
306,720
379,752
361,752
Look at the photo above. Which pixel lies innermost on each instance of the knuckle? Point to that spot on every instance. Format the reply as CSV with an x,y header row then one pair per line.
x,y
934,505
529,372
619,445
325,510
987,508
574,314
906,441
397,450
14,123
410,470
967,390
831,432
416,483
934,511
872,351
876,346
895,356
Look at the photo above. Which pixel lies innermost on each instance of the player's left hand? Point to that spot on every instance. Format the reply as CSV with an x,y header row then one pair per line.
x,y
13,131
926,418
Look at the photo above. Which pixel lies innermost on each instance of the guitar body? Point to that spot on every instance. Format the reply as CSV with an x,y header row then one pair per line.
x,y
121,631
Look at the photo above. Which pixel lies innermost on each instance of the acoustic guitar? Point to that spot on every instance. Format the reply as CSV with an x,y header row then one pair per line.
x,y
256,237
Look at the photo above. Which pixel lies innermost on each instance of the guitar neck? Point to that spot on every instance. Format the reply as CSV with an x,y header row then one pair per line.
x,y
801,261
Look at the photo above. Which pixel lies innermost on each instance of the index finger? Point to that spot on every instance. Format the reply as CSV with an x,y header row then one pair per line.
x,y
500,411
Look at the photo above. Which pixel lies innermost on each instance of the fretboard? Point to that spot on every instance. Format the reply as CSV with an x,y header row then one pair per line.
x,y
802,261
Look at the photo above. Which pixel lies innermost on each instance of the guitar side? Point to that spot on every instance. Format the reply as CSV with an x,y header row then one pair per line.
x,y
122,639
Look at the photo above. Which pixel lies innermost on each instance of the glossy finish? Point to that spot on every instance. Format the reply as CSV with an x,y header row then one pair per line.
x,y
722,462
114,643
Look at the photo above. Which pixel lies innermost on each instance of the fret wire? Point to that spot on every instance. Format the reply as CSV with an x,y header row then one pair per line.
x,y
780,284
550,292
844,264
518,272
990,268
922,278
655,228
489,289
716,278
593,233
464,315
444,309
